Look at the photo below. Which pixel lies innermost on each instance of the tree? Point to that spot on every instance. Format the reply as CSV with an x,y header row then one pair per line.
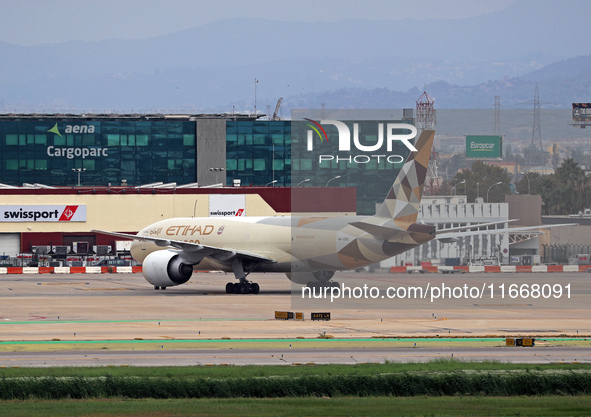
x,y
568,191
479,178
533,187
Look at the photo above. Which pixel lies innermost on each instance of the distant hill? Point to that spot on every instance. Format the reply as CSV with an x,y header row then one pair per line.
x,y
560,84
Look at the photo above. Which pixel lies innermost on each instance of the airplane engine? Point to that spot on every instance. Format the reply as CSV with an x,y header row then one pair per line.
x,y
164,268
310,277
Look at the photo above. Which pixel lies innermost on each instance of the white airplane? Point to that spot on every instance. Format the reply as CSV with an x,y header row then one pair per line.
x,y
309,250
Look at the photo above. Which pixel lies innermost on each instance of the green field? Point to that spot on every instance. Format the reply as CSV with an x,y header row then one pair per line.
x,y
439,365
443,387
367,406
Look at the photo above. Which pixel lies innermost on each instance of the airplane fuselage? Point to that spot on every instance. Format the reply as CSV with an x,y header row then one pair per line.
x,y
294,243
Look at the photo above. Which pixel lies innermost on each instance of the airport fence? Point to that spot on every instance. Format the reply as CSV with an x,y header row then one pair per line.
x,y
563,253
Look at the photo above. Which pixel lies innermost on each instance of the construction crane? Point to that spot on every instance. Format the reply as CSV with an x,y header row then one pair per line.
x,y
275,117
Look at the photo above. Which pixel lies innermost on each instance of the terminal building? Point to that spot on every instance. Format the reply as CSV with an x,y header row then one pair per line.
x,y
112,166
122,172
133,150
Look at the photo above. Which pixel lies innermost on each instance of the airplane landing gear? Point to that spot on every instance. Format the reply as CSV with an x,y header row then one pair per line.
x,y
244,286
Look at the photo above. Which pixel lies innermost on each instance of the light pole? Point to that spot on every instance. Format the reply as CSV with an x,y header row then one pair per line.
x,y
272,182
78,170
458,183
255,97
301,182
338,176
528,184
496,183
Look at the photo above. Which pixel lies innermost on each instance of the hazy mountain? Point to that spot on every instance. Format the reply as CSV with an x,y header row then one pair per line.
x,y
214,66
560,84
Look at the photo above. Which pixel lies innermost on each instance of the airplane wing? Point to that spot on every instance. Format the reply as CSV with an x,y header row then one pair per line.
x,y
195,251
453,237
473,226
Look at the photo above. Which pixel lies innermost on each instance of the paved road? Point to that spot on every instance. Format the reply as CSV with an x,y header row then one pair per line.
x,y
290,357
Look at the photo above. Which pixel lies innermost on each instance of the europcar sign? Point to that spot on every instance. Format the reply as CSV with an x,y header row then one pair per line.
x,y
484,147
38,213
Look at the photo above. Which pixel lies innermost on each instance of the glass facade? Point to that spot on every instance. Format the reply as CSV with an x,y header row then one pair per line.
x,y
145,150
258,152
109,151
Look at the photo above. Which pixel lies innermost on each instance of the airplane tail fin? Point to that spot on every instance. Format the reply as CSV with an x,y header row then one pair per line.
x,y
402,202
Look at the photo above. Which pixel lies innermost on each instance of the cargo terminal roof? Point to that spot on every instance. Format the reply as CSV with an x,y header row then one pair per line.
x,y
130,116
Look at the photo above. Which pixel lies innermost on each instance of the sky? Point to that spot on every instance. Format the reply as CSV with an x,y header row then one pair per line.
x,y
34,22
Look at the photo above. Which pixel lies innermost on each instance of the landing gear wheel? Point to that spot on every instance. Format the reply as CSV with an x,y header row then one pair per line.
x,y
245,288
156,287
242,288
162,288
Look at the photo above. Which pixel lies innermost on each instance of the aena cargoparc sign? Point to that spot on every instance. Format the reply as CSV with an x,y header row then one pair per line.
x,y
73,152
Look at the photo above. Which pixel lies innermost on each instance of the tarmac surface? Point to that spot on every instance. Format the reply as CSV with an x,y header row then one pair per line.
x,y
124,307
535,355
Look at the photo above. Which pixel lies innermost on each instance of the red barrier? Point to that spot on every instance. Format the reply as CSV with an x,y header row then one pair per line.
x,y
492,268
523,268
136,269
46,270
431,269
555,268
14,270
77,270
584,268
397,269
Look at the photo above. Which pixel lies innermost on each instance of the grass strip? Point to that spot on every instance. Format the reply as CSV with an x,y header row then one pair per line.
x,y
397,385
270,371
555,406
